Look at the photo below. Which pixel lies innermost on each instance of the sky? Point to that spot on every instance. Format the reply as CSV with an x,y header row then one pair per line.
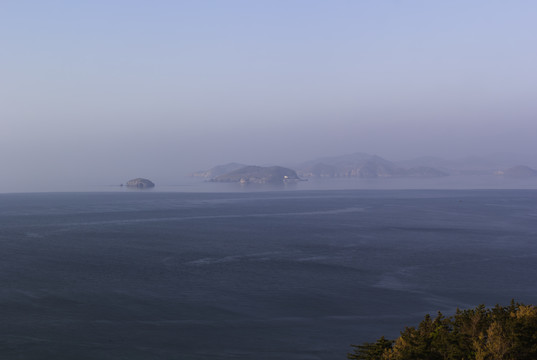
x,y
103,91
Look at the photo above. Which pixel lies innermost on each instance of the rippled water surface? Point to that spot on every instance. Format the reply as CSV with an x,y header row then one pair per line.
x,y
265,275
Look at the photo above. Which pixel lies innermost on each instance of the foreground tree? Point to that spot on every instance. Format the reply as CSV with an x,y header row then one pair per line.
x,y
499,333
370,351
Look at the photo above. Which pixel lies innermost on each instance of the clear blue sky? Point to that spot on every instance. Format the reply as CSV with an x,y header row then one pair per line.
x,y
118,88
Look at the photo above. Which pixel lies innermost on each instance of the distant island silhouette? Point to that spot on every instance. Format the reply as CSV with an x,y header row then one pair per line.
x,y
367,166
140,183
259,175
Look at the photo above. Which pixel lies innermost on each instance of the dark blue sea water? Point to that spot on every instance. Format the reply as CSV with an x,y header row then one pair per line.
x,y
263,275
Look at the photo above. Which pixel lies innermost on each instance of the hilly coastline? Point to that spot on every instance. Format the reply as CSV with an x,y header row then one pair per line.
x,y
362,165
366,166
519,171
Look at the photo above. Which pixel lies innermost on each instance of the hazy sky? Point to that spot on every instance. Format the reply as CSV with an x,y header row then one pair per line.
x,y
109,90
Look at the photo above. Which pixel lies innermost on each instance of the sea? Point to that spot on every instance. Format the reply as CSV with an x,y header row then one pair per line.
x,y
280,274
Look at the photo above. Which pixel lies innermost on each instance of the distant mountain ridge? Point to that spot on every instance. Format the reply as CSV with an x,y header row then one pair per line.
x,y
519,171
362,165
471,165
217,170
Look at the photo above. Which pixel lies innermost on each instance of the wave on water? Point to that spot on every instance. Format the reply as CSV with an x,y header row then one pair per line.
x,y
211,217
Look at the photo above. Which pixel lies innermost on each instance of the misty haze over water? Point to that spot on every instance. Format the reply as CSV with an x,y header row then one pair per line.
x,y
194,185
99,92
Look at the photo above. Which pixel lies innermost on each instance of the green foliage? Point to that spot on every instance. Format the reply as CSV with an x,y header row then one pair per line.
x,y
499,333
370,351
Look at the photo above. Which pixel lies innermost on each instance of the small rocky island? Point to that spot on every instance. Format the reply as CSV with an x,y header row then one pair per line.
x,y
259,175
140,183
